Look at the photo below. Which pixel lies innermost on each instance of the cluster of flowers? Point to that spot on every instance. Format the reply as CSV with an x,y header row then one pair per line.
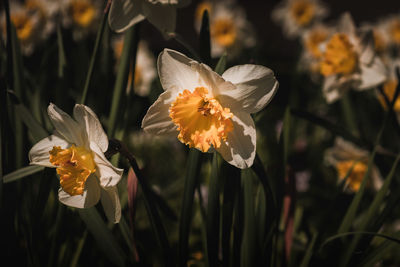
x,y
340,57
205,110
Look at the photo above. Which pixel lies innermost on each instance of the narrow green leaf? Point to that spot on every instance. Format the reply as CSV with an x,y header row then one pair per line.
x,y
102,235
213,214
376,254
205,40
307,257
231,177
249,244
78,251
332,238
348,113
286,136
62,61
221,65
335,129
89,75
117,103
21,173
191,180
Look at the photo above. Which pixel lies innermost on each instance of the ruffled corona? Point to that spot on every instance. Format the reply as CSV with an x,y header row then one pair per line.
x,y
339,57
201,121
303,12
358,170
74,165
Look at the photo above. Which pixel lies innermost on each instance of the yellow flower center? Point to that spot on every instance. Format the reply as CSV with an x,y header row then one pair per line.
x,y
223,31
389,88
83,12
339,57
201,121
23,26
201,8
357,171
74,165
314,40
303,12
395,31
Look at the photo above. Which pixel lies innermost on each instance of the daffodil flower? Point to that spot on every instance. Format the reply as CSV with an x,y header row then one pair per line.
x,y
349,61
76,150
160,13
351,161
208,111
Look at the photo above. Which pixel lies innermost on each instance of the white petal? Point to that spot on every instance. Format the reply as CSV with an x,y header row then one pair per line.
x,y
240,147
163,17
66,126
124,14
157,120
89,198
373,75
111,205
39,153
175,71
346,25
255,87
107,173
88,120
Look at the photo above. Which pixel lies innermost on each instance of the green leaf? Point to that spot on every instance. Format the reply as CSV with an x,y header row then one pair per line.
x,y
307,257
89,75
205,40
78,251
191,180
221,65
21,173
117,104
213,213
249,244
104,238
62,61
286,136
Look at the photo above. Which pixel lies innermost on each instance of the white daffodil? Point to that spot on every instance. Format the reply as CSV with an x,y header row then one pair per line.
x,y
160,13
77,149
351,161
229,29
145,69
209,111
27,26
82,16
391,30
298,15
349,61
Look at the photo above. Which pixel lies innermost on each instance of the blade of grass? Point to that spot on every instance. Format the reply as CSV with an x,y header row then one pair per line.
x,y
191,180
89,75
102,235
249,244
231,177
21,173
117,103
213,213
310,250
348,113
205,40
78,251
221,65
62,61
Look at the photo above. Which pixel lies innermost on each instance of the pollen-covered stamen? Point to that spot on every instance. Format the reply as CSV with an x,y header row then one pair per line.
x,y
74,165
83,12
339,57
357,171
303,12
223,31
201,121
